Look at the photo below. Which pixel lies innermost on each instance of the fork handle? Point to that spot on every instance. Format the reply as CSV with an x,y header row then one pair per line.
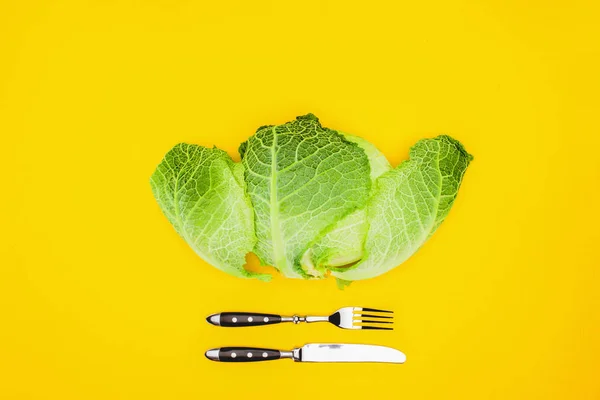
x,y
239,319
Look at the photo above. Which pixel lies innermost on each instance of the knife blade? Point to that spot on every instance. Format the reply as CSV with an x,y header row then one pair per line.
x,y
329,352
313,352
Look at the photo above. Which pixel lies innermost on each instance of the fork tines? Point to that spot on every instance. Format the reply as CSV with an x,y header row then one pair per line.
x,y
376,310
375,318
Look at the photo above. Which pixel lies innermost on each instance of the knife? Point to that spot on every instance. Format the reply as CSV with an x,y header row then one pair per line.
x,y
314,352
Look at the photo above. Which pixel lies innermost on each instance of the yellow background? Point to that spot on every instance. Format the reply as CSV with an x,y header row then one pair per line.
x,y
100,299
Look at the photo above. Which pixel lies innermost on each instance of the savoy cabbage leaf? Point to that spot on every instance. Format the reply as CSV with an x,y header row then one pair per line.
x,y
301,179
408,204
343,242
201,192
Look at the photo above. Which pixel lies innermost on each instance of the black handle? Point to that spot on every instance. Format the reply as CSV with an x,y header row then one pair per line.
x,y
235,319
242,354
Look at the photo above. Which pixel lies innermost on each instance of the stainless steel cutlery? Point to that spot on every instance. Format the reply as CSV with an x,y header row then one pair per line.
x,y
314,352
346,318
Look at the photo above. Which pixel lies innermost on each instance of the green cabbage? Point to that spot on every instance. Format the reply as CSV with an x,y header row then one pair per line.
x,y
202,193
342,243
408,204
309,201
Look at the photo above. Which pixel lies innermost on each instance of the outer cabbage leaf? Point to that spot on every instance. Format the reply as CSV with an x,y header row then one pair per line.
x,y
301,178
343,243
408,204
201,192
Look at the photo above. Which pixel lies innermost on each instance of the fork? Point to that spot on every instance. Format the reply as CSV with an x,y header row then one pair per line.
x,y
346,318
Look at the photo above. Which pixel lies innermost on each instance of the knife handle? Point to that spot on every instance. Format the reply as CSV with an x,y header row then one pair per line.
x,y
244,354
238,319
